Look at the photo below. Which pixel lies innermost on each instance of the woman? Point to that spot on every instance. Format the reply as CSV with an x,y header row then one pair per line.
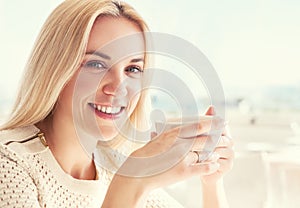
x,y
47,143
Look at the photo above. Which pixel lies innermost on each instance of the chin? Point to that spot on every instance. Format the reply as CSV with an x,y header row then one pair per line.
x,y
107,132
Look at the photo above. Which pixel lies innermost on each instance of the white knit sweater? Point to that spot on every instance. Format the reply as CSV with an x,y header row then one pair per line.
x,y
30,176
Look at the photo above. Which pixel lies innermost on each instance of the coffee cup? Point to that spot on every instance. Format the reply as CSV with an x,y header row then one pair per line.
x,y
189,130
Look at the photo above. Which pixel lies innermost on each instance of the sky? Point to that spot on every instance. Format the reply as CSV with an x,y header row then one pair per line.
x,y
250,43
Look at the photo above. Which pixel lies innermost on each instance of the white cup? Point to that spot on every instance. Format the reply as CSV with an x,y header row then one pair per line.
x,y
162,126
192,123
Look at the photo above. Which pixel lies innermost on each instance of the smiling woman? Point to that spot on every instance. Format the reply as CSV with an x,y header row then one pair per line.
x,y
114,86
81,88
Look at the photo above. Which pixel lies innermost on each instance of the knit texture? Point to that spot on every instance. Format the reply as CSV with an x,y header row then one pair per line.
x,y
31,177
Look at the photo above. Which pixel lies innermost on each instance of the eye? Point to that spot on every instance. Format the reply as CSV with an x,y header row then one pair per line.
x,y
94,64
133,69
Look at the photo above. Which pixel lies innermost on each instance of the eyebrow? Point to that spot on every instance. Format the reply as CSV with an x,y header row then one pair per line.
x,y
98,53
102,55
137,60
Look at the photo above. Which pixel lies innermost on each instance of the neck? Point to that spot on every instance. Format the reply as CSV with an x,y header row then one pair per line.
x,y
65,145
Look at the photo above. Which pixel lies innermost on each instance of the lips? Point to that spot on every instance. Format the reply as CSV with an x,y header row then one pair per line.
x,y
107,111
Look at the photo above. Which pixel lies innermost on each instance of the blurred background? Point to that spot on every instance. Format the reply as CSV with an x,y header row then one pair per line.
x,y
254,47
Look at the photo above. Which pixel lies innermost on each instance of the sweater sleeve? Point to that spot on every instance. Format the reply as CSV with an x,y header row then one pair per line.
x,y
17,189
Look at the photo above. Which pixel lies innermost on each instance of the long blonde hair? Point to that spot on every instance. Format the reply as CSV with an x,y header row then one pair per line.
x,y
57,54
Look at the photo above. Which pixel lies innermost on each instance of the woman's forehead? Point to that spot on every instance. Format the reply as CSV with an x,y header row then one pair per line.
x,y
115,33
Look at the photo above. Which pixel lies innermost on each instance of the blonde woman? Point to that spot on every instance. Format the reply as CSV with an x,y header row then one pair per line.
x,y
43,161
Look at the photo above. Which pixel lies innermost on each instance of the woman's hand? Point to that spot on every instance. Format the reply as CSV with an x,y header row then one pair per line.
x,y
213,193
170,157
224,150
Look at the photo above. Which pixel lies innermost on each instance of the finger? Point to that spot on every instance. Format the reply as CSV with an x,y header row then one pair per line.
x,y
225,165
204,126
227,131
225,153
210,111
198,143
196,168
213,157
194,157
205,143
205,168
225,141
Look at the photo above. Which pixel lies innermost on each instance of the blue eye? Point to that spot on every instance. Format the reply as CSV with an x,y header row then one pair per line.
x,y
94,65
133,69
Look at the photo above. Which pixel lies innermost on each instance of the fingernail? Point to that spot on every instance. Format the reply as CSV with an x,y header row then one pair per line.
x,y
213,157
213,110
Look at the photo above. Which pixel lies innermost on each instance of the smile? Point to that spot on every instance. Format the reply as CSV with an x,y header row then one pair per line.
x,y
107,110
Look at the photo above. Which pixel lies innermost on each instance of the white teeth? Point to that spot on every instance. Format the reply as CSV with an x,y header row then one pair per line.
x,y
98,107
115,110
108,109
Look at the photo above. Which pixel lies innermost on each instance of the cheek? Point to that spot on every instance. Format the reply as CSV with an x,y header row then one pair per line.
x,y
134,92
134,88
85,85
64,104
66,95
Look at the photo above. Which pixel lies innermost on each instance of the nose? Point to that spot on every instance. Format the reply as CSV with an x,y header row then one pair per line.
x,y
114,83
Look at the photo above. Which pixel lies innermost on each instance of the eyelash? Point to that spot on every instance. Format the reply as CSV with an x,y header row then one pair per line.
x,y
138,68
100,65
95,65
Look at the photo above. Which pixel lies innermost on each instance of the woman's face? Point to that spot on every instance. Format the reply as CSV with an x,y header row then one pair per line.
x,y
107,86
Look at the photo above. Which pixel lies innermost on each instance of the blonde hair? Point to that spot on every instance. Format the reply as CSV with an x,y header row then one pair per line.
x,y
57,54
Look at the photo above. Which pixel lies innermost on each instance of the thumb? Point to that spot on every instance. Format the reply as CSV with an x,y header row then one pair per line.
x,y
210,111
